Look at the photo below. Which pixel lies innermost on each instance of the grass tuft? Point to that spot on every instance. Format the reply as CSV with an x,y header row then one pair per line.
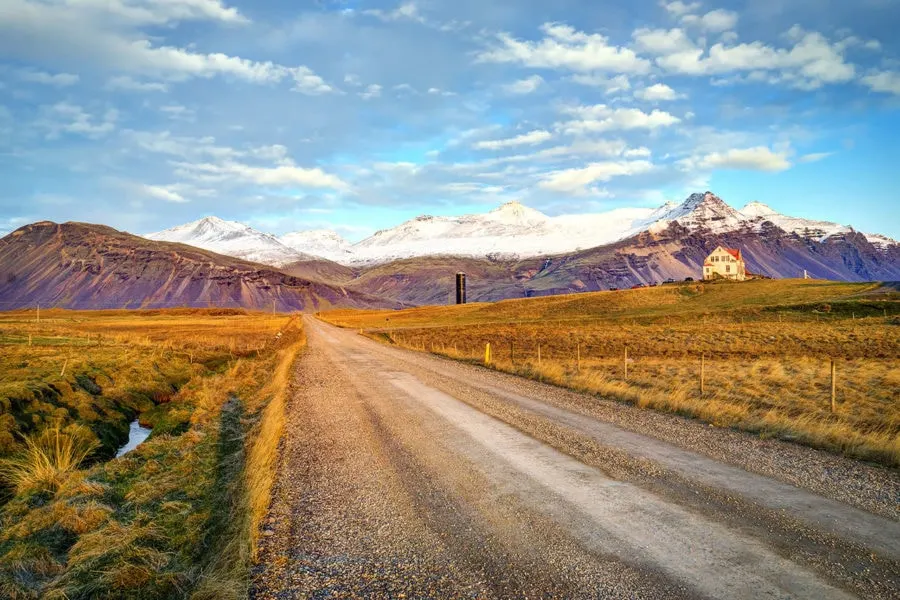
x,y
47,459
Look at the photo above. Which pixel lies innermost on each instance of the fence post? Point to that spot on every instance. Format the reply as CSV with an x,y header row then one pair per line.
x,y
487,354
63,372
39,313
539,355
626,363
702,374
512,353
578,357
833,388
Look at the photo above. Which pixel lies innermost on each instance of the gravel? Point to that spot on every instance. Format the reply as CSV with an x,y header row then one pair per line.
x,y
378,497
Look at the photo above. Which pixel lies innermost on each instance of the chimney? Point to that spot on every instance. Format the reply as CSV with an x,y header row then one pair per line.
x,y
460,288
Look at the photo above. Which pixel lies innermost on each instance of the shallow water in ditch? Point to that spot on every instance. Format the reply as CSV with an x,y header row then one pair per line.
x,y
136,435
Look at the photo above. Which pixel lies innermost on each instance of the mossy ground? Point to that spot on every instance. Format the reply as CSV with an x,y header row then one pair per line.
x,y
174,518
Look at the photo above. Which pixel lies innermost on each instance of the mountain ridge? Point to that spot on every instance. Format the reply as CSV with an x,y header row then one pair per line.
x,y
82,265
513,231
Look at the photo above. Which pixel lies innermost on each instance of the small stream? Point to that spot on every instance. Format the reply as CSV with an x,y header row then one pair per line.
x,y
136,435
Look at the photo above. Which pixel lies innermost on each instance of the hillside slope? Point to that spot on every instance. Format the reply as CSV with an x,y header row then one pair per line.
x,y
77,265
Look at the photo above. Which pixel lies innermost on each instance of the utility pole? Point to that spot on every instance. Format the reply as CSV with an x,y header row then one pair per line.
x,y
273,306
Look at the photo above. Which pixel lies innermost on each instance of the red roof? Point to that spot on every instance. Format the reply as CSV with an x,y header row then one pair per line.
x,y
733,252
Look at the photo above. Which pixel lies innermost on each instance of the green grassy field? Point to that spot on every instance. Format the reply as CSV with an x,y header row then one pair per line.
x,y
178,516
765,348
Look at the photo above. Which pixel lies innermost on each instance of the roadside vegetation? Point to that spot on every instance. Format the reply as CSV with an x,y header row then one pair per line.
x,y
178,516
764,348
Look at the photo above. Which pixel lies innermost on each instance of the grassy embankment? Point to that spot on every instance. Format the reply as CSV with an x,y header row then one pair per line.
x,y
178,516
766,348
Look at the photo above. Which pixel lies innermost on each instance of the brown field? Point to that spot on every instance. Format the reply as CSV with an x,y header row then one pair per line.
x,y
766,348
179,515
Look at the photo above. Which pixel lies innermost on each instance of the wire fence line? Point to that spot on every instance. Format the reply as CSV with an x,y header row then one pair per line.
x,y
11,305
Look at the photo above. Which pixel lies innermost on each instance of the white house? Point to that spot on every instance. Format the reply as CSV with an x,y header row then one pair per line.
x,y
726,263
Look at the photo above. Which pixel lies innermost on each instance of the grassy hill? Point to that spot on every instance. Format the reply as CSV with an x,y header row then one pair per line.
x,y
757,299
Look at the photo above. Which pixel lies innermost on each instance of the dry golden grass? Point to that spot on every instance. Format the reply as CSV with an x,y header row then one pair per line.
x,y
767,347
177,517
49,456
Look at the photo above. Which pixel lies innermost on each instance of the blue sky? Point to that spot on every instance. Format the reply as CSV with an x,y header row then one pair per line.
x,y
356,115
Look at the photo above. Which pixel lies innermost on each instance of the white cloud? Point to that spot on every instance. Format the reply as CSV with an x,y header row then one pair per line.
x,y
57,79
600,117
679,9
439,92
565,48
407,11
372,91
525,86
883,81
610,85
282,175
352,79
641,152
307,82
812,62
814,157
657,92
759,158
201,159
155,12
161,192
106,36
537,136
127,84
715,21
178,112
578,181
663,41
70,118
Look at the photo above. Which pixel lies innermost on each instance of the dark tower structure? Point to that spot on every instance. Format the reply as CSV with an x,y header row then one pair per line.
x,y
460,288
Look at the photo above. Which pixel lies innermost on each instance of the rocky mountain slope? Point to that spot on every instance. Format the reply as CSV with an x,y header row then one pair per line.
x,y
76,265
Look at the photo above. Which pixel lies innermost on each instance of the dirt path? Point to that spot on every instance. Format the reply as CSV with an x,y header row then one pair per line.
x,y
405,475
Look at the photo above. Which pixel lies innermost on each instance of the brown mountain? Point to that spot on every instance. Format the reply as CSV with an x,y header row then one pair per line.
x,y
91,266
77,265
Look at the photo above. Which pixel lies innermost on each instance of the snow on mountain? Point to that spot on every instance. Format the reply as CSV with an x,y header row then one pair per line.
x,y
319,242
510,231
231,239
702,211
819,231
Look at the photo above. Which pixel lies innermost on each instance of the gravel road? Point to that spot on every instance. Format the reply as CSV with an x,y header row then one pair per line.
x,y
404,475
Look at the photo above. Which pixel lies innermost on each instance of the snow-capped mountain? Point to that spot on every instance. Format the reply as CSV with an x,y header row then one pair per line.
x,y
231,239
319,242
701,211
511,231
810,229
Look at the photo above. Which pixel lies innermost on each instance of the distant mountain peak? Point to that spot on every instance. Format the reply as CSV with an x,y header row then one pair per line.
x,y
516,212
707,198
231,238
702,211
757,209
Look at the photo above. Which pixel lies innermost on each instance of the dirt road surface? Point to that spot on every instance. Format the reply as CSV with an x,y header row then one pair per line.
x,y
404,475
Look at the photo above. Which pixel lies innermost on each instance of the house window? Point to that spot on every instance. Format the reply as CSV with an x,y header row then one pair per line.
x,y
728,268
